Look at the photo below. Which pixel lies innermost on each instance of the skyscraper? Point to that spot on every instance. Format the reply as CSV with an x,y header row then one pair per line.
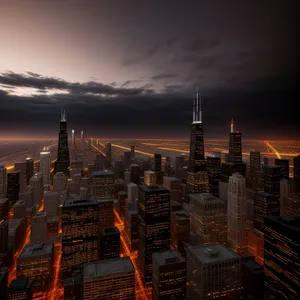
x,y
45,163
255,163
154,218
213,270
82,136
235,145
63,160
29,168
2,182
284,166
296,172
197,177
103,186
282,245
236,213
108,152
214,174
272,176
169,276
13,187
73,136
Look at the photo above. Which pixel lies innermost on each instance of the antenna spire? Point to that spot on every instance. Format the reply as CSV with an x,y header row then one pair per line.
x,y
63,116
231,126
197,108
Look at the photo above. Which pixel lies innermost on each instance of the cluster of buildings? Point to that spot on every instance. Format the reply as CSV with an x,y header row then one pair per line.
x,y
206,227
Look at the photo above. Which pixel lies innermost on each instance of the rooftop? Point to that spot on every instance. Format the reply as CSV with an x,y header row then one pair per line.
x,y
288,222
20,283
108,267
3,200
36,249
254,266
110,230
156,188
206,198
213,253
264,194
69,203
103,173
172,178
167,257
181,214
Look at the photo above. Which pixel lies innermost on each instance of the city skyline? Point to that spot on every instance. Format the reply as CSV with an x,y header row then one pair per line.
x,y
112,64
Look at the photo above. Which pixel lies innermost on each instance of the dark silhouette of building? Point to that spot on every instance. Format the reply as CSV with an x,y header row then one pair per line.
x,y
197,176
169,276
63,160
20,289
297,172
13,187
80,233
272,176
255,164
284,165
131,229
282,245
235,145
3,281
214,174
154,222
110,243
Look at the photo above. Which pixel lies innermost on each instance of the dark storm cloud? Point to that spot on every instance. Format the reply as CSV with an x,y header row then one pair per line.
x,y
164,76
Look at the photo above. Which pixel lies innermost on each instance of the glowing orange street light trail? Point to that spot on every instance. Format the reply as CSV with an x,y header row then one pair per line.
x,y
120,225
273,149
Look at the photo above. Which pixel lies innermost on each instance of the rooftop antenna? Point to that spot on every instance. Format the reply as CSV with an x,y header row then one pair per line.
x,y
63,116
231,126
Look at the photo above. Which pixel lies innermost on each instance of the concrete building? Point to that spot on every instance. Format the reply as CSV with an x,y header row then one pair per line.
x,y
45,165
37,182
150,178
169,276
208,219
103,187
4,209
20,289
110,243
36,263
131,229
111,278
237,213
213,270
20,209
59,181
51,201
39,227
3,180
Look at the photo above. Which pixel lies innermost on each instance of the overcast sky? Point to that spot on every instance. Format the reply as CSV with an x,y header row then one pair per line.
x,y
129,68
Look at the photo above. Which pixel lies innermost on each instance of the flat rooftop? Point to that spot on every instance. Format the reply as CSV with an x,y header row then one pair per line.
x,y
254,266
213,253
156,188
71,202
103,173
110,230
167,257
181,214
288,222
206,198
171,178
264,194
3,200
108,267
20,283
31,250
132,212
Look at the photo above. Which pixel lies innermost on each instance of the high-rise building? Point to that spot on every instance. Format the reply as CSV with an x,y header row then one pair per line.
x,y
108,152
21,167
265,204
3,281
179,164
237,213
173,184
45,165
132,192
272,176
3,236
59,181
197,176
29,168
110,243
3,178
131,229
214,174
284,165
111,278
169,276
20,209
208,219
157,162
36,263
36,182
51,201
135,171
296,172
154,220
103,186
4,209
213,270
73,136
282,246
80,233
255,164
82,136
63,160
180,229
20,289
39,227
132,150
13,187
235,145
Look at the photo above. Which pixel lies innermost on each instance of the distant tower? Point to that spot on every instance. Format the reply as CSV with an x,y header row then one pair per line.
x,y
235,145
197,176
45,163
82,136
63,160
73,136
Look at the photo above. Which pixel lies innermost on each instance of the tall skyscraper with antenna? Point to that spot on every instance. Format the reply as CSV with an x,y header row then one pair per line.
x,y
63,160
197,176
235,145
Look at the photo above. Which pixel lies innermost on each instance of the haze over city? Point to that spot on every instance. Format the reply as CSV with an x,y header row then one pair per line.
x,y
137,63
